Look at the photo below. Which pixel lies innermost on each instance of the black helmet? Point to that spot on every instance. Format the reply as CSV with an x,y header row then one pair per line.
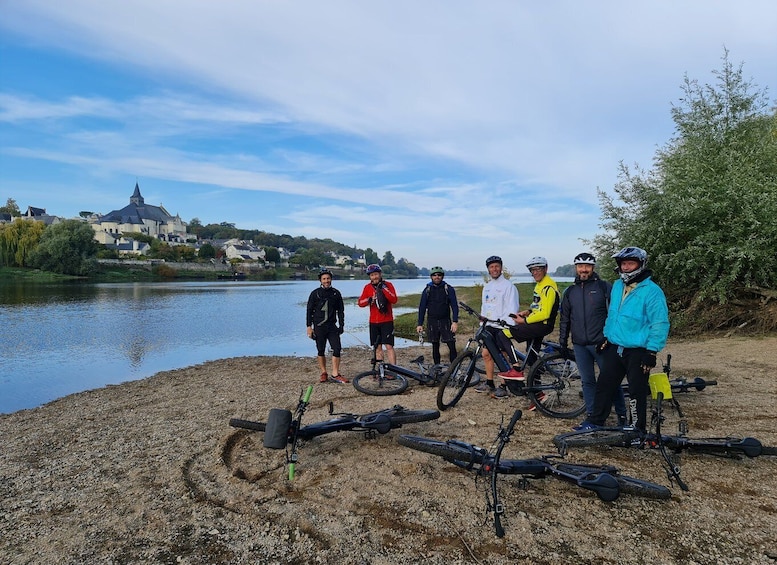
x,y
325,271
585,259
493,259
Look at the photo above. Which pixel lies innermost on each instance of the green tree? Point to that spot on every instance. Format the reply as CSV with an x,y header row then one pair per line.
x,y
309,258
272,254
11,208
388,259
705,213
18,240
207,251
370,257
68,248
565,271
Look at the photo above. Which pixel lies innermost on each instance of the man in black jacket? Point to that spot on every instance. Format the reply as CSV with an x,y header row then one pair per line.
x,y
439,305
325,309
583,313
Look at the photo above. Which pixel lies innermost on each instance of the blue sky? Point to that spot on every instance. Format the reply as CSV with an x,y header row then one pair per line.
x,y
445,131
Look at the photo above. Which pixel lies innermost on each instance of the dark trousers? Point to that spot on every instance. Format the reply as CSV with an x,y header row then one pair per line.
x,y
619,362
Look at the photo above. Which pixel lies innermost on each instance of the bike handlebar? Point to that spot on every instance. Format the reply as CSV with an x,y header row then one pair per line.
x,y
483,319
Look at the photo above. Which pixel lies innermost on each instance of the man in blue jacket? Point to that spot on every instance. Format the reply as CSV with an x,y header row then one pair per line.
x,y
636,329
583,312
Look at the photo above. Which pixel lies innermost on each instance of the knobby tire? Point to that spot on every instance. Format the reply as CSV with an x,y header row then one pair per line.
x,y
563,387
442,449
401,416
247,424
604,436
369,382
456,380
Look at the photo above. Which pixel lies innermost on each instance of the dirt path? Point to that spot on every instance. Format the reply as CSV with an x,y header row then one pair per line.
x,y
144,472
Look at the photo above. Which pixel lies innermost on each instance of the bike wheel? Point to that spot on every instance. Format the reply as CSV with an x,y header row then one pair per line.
x,y
370,382
247,424
645,489
724,446
444,449
555,387
768,450
480,366
399,415
602,436
456,379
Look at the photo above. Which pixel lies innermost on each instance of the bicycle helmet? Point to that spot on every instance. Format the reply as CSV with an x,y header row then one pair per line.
x,y
537,262
493,259
437,271
634,254
374,269
585,259
323,272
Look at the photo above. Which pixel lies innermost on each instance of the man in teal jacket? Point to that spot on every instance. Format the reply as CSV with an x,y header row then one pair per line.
x,y
636,329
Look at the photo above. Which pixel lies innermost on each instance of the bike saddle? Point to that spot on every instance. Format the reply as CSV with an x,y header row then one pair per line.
x,y
419,359
381,423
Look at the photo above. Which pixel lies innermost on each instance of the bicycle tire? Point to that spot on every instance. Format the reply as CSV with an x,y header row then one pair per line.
x,y
247,424
400,416
480,366
456,380
768,450
369,383
724,446
645,489
555,387
446,450
626,484
601,436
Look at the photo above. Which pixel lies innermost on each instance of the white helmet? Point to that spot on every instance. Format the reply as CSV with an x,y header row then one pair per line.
x,y
585,258
537,262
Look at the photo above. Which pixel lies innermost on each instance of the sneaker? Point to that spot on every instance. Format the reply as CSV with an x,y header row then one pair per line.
x,y
500,392
585,426
483,386
324,378
540,398
339,379
513,374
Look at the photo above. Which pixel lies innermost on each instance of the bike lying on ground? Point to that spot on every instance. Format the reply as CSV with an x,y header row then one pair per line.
x,y
680,384
552,383
605,480
284,430
670,446
385,379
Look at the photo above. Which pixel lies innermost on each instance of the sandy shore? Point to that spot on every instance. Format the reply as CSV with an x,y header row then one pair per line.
x,y
145,472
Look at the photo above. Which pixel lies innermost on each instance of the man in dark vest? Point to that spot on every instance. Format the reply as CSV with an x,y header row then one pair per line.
x,y
439,305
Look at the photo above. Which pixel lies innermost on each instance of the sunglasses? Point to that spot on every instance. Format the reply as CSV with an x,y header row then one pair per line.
x,y
436,274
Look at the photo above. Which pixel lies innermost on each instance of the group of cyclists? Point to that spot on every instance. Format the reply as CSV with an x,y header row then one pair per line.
x,y
619,327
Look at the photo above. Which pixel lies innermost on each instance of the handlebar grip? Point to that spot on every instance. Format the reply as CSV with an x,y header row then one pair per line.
x,y
308,393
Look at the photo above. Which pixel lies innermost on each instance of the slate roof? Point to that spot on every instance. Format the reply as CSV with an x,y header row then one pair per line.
x,y
137,211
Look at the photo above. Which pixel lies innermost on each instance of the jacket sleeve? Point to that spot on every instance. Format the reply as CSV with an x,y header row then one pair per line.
x,y
390,293
364,299
311,306
422,306
340,309
563,324
454,304
658,320
548,297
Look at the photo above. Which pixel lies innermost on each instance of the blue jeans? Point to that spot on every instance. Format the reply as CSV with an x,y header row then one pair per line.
x,y
585,357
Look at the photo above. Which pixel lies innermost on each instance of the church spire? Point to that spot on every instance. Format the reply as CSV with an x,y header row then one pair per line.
x,y
136,198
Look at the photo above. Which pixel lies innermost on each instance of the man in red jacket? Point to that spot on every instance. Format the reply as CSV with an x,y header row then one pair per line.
x,y
379,295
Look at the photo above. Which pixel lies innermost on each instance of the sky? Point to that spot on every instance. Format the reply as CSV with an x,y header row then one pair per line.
x,y
443,131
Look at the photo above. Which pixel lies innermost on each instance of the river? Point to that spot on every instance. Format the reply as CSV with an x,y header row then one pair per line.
x,y
58,339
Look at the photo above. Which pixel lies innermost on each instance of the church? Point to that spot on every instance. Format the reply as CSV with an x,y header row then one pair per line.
x,y
139,217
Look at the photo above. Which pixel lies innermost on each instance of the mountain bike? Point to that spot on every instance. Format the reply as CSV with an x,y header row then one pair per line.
x,y
670,446
284,430
385,379
680,384
553,382
604,480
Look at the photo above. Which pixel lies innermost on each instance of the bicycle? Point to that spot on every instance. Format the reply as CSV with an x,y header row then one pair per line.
x,y
553,382
670,446
283,431
604,480
385,379
680,384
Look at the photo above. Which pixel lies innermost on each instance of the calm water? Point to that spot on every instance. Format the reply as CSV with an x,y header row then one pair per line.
x,y
63,338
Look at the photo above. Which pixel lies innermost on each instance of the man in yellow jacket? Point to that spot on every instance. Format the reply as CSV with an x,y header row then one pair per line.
x,y
535,322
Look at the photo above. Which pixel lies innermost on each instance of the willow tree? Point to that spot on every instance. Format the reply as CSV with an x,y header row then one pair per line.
x,y
706,210
18,240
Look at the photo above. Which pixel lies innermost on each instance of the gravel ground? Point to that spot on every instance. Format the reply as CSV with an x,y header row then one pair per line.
x,y
150,472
